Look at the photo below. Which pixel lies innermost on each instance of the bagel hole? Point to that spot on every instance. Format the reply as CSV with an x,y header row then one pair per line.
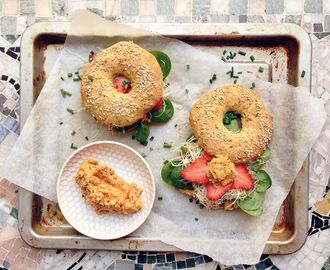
x,y
122,84
232,121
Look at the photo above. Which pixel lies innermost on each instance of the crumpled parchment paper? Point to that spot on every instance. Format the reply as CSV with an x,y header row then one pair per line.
x,y
228,237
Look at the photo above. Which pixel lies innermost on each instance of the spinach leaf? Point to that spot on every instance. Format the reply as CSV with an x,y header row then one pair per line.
x,y
142,133
172,176
164,114
164,61
264,181
252,202
254,213
258,164
232,121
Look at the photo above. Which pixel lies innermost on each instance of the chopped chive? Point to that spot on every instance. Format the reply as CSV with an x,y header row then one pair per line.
x,y
77,73
186,91
214,77
143,155
90,56
303,74
252,58
253,86
166,161
70,110
151,149
249,72
76,79
61,123
86,138
188,67
201,206
90,77
175,125
235,77
242,53
261,69
240,72
69,75
196,219
191,200
223,59
152,138
65,93
62,78
73,146
272,52
160,198
224,52
235,81
73,133
167,145
229,72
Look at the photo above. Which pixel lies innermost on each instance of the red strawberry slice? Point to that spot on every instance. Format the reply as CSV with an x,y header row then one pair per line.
x,y
196,171
159,104
215,192
243,180
122,84
207,156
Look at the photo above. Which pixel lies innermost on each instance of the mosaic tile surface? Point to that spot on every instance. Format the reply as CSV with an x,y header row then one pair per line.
x,y
16,15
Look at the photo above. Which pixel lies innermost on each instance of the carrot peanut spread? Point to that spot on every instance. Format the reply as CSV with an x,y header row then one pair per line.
x,y
107,192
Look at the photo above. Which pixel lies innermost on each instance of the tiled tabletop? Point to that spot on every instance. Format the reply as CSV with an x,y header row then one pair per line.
x,y
16,15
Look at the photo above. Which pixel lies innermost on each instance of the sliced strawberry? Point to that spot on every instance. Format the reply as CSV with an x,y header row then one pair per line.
x,y
159,104
243,180
94,55
207,156
196,171
122,84
215,192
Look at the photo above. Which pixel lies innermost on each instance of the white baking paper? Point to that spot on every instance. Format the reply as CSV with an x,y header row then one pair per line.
x,y
228,237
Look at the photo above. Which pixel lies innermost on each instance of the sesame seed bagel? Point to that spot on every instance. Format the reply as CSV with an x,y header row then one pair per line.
x,y
206,120
100,97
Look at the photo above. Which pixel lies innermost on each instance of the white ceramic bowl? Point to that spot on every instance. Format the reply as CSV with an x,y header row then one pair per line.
x,y
128,164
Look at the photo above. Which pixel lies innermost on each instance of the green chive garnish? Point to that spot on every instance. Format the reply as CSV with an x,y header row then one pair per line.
x,y
188,67
70,110
224,52
252,58
143,155
65,93
73,133
86,138
242,53
73,146
223,59
235,81
62,78
253,86
152,138
160,198
196,219
303,74
261,69
167,145
69,75
186,91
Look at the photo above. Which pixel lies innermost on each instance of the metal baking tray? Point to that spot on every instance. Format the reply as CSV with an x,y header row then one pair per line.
x,y
283,50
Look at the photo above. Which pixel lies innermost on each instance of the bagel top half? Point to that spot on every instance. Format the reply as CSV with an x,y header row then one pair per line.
x,y
206,120
99,95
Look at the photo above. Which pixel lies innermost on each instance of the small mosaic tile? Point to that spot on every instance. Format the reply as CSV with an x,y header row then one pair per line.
x,y
255,19
165,7
274,6
130,7
237,7
201,7
313,6
183,19
220,18
27,7
296,19
59,7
